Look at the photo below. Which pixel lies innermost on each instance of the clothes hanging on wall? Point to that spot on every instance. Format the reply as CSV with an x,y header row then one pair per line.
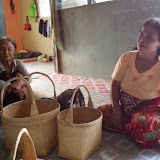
x,y
32,10
46,32
12,7
41,25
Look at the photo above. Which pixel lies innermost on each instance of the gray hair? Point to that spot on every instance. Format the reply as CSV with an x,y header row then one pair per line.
x,y
10,39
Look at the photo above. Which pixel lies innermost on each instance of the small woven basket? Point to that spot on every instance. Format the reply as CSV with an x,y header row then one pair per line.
x,y
29,152
79,130
39,117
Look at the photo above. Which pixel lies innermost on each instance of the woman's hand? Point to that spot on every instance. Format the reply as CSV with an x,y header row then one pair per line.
x,y
117,117
115,96
15,86
22,92
18,88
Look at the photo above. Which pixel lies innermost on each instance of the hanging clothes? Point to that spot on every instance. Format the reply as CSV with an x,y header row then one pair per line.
x,y
41,26
46,32
12,7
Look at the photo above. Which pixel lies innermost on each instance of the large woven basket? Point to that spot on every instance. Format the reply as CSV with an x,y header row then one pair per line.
x,y
39,117
29,152
79,130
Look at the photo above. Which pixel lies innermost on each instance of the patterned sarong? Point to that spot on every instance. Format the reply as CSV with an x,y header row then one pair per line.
x,y
140,118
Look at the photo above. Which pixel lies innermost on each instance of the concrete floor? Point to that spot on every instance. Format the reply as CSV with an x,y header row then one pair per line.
x,y
43,67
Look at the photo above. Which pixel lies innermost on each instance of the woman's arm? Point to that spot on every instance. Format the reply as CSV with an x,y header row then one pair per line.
x,y
18,83
18,87
1,85
21,68
115,96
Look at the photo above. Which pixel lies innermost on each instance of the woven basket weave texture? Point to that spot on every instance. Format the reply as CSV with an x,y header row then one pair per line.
x,y
38,116
79,130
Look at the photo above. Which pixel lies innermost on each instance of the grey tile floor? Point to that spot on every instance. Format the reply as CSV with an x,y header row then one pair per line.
x,y
115,146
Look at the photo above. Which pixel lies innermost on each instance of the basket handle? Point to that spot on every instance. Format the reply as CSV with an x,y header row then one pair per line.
x,y
34,110
29,152
69,116
55,97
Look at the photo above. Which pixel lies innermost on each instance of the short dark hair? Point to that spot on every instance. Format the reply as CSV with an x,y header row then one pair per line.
x,y
155,23
10,39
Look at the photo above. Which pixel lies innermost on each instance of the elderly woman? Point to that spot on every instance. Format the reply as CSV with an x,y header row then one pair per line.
x,y
135,89
10,67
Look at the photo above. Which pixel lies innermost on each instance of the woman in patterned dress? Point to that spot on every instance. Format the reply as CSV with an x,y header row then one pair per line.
x,y
135,89
10,67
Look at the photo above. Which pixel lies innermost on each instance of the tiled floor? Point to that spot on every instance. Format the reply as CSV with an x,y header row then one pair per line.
x,y
42,87
47,68
115,146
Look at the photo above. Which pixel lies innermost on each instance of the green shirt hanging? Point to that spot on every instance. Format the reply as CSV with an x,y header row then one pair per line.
x,y
32,10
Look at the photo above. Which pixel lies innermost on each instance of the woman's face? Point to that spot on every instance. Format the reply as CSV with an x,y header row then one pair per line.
x,y
148,40
7,50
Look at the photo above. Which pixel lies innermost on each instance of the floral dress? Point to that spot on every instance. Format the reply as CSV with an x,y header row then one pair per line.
x,y
141,119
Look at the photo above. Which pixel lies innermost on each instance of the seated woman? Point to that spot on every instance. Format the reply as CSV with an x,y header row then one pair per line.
x,y
10,67
135,89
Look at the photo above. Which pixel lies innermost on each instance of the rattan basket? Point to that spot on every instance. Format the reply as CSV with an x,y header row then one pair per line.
x,y
79,130
29,152
39,117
